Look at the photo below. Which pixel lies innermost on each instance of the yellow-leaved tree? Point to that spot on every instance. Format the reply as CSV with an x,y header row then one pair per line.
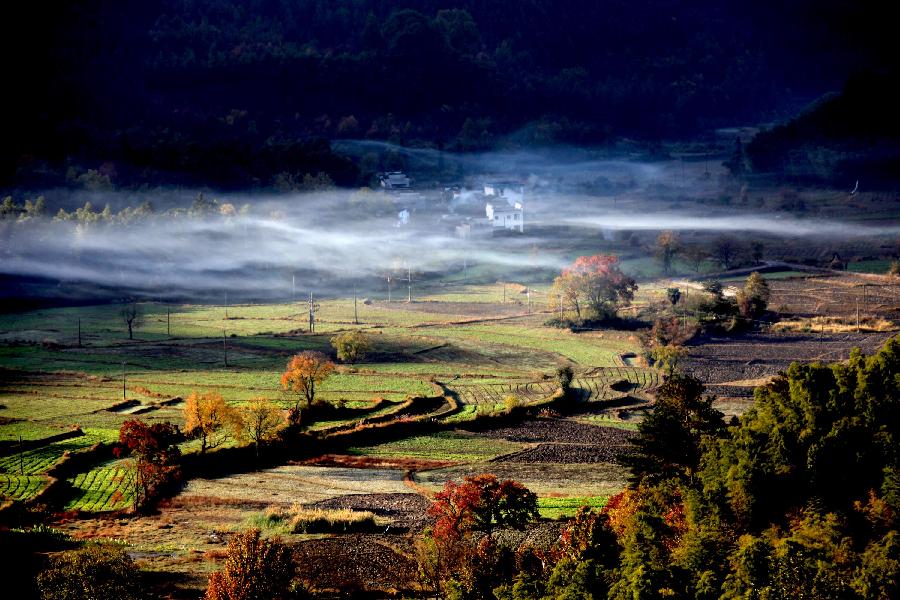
x,y
208,418
304,371
259,421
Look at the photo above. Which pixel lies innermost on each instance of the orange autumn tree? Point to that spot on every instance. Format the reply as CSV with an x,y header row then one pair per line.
x,y
304,371
208,418
593,286
255,568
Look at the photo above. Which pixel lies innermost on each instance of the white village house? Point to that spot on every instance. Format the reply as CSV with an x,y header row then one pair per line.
x,y
505,208
393,180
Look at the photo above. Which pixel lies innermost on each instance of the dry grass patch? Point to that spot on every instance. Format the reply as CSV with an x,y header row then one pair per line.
x,y
299,519
836,325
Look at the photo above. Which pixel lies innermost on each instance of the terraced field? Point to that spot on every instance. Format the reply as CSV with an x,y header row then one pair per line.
x,y
602,383
20,487
105,488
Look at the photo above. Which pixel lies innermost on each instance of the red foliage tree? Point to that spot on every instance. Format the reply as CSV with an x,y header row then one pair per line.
x,y
451,551
481,503
154,449
592,284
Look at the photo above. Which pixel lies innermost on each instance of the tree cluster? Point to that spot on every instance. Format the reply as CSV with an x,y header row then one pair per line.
x,y
592,288
798,498
239,93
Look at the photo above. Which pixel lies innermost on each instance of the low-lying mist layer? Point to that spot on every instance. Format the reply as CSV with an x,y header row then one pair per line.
x,y
285,245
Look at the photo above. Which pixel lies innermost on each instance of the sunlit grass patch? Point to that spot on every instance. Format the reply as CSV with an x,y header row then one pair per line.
x,y
20,487
103,488
39,460
443,446
835,325
610,421
556,508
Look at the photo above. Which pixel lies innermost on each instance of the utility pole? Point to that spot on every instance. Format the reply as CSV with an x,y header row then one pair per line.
x,y
408,284
123,381
226,305
312,318
559,302
857,315
355,311
866,297
225,347
79,332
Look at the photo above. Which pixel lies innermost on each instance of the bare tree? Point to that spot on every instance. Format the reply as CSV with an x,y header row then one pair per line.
x,y
756,251
695,256
725,249
667,246
131,314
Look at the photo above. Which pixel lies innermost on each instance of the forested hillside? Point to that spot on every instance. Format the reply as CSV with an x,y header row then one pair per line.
x,y
235,92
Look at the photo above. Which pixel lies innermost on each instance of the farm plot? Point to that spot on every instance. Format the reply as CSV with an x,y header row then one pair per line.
x,y
836,296
562,432
291,484
602,383
359,562
20,487
105,488
451,446
551,507
38,460
591,349
402,510
724,360
547,480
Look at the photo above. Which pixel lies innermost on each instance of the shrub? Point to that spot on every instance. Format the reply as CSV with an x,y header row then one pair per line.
x,y
351,346
673,294
666,358
753,299
564,376
92,573
254,569
713,286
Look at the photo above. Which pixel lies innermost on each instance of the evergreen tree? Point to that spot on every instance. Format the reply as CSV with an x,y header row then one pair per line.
x,y
669,443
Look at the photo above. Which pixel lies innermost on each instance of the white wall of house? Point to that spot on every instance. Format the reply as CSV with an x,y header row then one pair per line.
x,y
513,220
394,180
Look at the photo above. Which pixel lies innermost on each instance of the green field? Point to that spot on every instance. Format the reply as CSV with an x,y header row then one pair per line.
x,y
104,488
555,508
461,333
448,446
878,267
20,487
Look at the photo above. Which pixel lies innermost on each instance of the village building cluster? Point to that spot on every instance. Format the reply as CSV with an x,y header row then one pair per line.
x,y
490,208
